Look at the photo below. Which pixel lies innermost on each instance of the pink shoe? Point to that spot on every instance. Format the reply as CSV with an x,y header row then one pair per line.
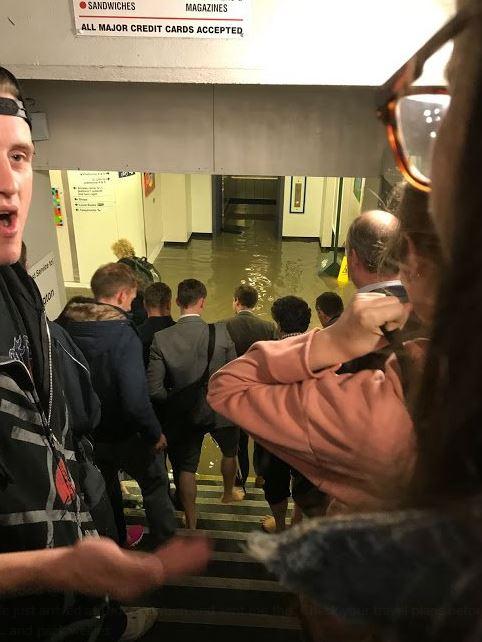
x,y
134,535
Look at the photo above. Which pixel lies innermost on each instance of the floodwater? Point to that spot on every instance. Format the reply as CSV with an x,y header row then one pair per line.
x,y
255,256
275,268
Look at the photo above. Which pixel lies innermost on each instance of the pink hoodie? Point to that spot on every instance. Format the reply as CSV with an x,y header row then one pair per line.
x,y
351,434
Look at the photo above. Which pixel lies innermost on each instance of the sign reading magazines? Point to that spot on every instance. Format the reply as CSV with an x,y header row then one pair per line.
x,y
162,18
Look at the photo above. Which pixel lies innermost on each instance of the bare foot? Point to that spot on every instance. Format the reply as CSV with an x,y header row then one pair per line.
x,y
235,496
268,524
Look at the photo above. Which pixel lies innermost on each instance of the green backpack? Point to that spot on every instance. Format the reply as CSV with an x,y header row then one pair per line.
x,y
143,270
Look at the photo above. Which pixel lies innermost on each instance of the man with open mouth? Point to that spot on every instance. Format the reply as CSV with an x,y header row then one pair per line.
x,y
45,553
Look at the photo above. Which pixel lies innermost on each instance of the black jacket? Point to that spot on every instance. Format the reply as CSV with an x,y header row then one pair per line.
x,y
113,351
40,501
37,462
148,329
82,402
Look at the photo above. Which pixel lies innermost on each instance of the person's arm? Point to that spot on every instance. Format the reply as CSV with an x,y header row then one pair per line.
x,y
317,421
97,566
358,331
230,347
133,391
156,373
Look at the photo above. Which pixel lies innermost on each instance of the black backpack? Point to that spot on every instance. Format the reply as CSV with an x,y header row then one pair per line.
x,y
187,409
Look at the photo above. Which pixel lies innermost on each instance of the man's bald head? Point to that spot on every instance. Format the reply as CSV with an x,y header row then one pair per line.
x,y
368,237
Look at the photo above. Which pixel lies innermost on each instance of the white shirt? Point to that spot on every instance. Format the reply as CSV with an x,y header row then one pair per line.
x,y
189,315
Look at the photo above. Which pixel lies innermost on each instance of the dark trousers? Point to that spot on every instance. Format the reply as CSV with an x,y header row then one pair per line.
x,y
243,457
277,480
136,458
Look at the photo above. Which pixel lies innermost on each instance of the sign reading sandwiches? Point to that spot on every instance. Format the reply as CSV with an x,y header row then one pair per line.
x,y
161,18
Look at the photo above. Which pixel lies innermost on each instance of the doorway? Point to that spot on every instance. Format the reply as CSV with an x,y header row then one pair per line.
x,y
240,200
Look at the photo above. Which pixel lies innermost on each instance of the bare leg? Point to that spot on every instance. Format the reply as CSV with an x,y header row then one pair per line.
x,y
278,524
187,494
228,471
297,516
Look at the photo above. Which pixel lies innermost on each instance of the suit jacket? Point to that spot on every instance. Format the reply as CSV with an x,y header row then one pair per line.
x,y
246,328
178,357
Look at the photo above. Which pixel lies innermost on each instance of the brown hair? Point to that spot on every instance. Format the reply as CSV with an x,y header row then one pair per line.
x,y
448,417
414,224
9,84
157,295
110,278
190,291
246,295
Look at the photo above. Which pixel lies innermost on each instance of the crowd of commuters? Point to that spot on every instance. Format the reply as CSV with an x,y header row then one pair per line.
x,y
371,421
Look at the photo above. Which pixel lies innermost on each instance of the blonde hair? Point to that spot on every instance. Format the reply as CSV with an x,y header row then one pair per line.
x,y
123,249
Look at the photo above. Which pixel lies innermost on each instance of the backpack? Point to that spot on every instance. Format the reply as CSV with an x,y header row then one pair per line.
x,y
144,271
187,409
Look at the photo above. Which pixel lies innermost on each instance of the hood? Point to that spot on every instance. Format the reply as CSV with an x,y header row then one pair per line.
x,y
93,312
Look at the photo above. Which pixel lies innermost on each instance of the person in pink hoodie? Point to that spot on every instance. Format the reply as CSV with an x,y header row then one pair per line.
x,y
351,434
416,572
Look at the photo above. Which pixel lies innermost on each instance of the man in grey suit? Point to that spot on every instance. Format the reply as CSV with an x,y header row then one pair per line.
x,y
245,328
178,358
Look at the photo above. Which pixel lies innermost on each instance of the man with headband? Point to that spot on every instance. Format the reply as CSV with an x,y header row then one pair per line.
x,y
42,514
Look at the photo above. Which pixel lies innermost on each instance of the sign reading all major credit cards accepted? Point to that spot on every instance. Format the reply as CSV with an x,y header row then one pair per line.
x,y
162,18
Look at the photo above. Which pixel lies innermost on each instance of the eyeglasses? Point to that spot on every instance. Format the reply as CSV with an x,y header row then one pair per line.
x,y
413,115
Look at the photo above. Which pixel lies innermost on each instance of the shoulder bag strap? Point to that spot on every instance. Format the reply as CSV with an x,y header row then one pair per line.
x,y
211,343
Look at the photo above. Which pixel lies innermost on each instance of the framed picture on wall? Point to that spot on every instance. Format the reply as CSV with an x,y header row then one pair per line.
x,y
149,182
297,194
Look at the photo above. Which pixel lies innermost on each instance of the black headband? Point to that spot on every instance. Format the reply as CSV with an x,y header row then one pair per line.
x,y
12,107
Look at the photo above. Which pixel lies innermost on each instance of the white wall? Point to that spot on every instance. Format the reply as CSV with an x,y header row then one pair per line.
x,y
40,237
350,206
201,203
307,42
307,224
130,211
153,221
175,208
63,237
119,214
328,217
320,209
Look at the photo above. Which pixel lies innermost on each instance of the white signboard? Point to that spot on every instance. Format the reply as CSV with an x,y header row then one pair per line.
x,y
162,18
45,276
92,192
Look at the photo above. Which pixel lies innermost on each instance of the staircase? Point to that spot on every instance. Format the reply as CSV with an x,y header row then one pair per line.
x,y
235,599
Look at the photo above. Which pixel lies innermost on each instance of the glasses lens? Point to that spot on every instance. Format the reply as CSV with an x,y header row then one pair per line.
x,y
419,117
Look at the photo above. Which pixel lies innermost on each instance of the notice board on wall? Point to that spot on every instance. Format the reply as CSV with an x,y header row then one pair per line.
x,y
44,274
162,18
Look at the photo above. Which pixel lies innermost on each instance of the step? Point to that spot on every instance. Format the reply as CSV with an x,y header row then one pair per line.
x,y
254,620
221,541
236,565
239,595
214,505
199,632
206,520
214,492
